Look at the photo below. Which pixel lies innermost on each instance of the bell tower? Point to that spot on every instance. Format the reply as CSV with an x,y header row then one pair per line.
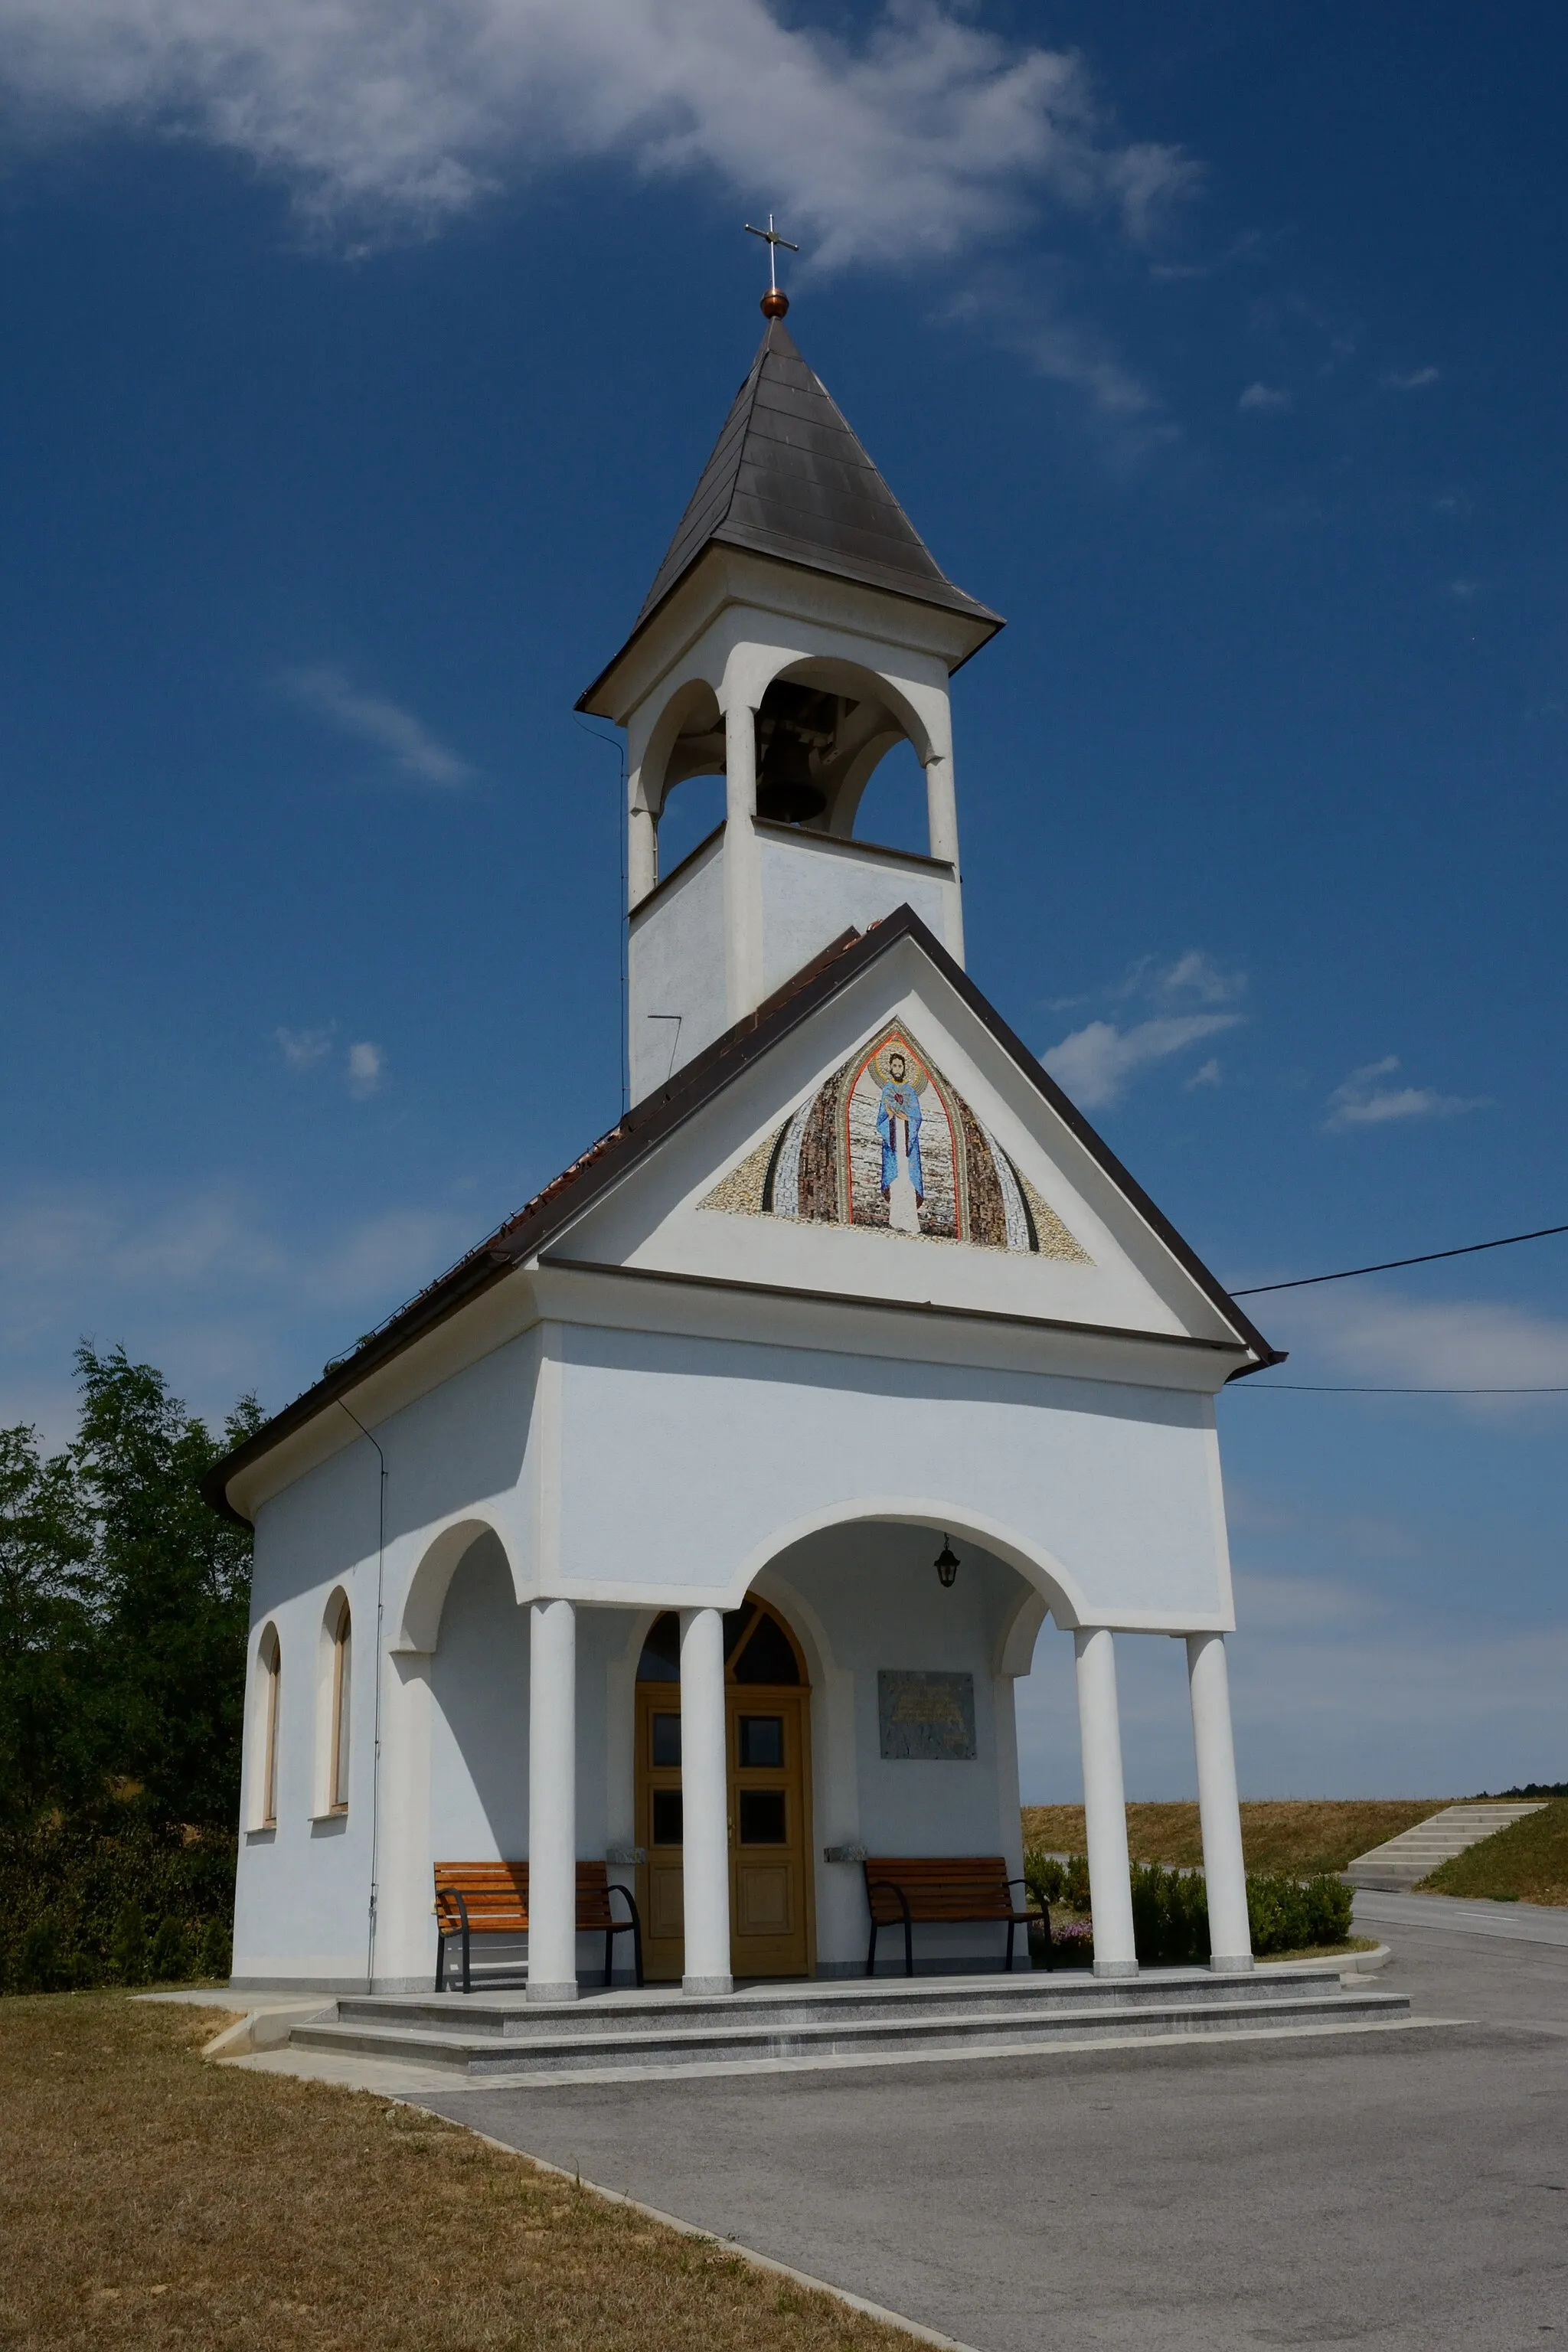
x,y
796,630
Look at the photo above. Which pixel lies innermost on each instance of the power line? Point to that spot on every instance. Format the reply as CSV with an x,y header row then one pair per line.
x,y
1386,1265
1313,1388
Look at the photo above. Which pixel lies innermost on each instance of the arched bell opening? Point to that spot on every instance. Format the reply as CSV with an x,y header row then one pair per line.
x,y
823,730
685,748
767,1693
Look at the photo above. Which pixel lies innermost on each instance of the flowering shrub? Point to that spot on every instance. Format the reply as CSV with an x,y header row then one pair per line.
x,y
1170,1912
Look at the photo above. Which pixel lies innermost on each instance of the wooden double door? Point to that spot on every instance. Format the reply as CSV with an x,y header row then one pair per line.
x,y
767,1723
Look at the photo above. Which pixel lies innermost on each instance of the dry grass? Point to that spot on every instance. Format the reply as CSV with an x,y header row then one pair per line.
x,y
1526,1862
1300,1838
147,2200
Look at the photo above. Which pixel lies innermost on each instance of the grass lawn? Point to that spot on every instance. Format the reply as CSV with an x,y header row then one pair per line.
x,y
1298,1838
150,2200
1528,1862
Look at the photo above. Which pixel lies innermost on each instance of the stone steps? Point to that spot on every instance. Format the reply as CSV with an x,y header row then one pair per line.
x,y
486,2038
1402,1861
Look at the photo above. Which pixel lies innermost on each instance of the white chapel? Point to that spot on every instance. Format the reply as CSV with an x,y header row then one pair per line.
x,y
687,1538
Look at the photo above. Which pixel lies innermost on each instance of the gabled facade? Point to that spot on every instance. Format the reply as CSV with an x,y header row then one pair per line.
x,y
644,1494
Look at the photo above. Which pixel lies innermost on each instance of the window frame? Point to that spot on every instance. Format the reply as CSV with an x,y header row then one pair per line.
x,y
339,1758
268,1710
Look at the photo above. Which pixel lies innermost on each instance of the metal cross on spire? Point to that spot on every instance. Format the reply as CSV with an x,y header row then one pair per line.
x,y
774,303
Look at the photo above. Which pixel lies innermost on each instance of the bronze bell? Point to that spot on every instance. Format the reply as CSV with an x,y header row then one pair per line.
x,y
787,791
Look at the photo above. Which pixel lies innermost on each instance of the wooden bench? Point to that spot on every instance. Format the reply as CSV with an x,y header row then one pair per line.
x,y
491,1899
910,1890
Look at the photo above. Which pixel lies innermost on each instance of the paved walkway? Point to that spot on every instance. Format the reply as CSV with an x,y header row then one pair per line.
x,y
1518,1923
1407,2192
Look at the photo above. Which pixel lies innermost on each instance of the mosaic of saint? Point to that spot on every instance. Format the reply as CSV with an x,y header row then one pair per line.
x,y
887,1143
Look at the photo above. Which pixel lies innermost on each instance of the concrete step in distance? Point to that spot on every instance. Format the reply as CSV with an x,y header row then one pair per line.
x,y
1404,1861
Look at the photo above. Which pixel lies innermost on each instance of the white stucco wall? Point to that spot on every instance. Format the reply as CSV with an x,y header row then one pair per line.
x,y
815,888
685,1463
675,963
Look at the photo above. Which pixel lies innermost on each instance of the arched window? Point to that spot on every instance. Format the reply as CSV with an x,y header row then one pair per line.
x,y
268,1665
341,1670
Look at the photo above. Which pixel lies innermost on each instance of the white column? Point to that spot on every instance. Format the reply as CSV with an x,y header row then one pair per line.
x,y
551,1801
642,851
743,864
705,1808
942,828
405,1932
1104,1805
1219,1812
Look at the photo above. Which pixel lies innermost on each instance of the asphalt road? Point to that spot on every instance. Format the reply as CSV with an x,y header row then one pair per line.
x,y
1403,2191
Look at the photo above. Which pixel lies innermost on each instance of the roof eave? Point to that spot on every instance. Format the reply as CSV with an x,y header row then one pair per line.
x,y
988,621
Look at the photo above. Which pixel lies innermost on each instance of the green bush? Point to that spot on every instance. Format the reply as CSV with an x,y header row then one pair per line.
x,y
39,1965
1170,1912
75,1902
128,1949
1169,1916
1286,1915
169,1959
1053,1882
215,1956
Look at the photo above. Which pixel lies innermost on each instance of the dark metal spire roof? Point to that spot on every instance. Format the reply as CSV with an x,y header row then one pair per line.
x,y
788,479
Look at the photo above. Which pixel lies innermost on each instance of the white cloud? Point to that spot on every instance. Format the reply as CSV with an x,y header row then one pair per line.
x,y
1416,380
1454,1343
370,718
1463,590
1193,974
920,138
91,1253
1361,1101
1205,1074
366,1064
1095,1063
303,1048
381,1262
1261,396
182,1244
1025,320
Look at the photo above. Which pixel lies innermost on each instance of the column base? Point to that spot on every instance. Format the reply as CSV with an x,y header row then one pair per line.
x,y
702,1987
1115,1968
567,1991
1231,1964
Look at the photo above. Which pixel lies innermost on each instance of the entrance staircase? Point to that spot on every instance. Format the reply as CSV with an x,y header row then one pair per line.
x,y
1401,1862
491,2036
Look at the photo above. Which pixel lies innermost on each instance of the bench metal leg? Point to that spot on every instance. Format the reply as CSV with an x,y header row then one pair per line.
x,y
909,1946
871,1954
1007,1963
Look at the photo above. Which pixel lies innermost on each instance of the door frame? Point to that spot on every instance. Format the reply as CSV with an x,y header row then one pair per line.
x,y
652,1697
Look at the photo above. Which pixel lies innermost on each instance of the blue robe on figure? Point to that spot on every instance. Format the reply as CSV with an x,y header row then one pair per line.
x,y
901,1100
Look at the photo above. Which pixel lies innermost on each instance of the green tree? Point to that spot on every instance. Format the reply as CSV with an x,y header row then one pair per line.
x,y
170,1587
49,1730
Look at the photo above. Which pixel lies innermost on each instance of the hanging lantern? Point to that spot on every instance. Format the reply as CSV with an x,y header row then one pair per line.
x,y
946,1565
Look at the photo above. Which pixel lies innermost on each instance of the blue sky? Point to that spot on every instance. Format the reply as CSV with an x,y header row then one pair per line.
x,y
357,367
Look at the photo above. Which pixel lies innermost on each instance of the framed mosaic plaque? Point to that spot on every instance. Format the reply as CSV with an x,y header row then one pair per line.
x,y
925,1718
